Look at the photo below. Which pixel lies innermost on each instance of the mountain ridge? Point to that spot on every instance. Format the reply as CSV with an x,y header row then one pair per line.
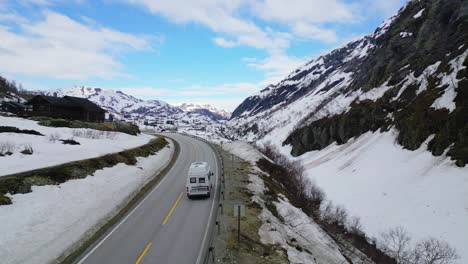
x,y
397,76
121,104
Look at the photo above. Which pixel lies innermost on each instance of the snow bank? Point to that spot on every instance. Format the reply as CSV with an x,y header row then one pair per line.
x,y
305,232
244,150
50,219
419,14
388,186
48,153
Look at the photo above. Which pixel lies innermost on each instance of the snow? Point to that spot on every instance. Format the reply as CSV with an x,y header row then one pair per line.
x,y
384,26
307,234
188,107
244,150
405,34
446,100
51,219
375,93
450,81
414,189
360,51
48,153
419,14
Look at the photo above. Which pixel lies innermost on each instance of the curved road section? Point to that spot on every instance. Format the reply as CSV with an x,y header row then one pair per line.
x,y
165,227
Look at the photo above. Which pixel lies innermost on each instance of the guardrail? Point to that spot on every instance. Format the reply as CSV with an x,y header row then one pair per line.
x,y
208,249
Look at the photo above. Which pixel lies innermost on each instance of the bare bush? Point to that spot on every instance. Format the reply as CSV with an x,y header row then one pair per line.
x,y
306,194
396,244
7,148
54,137
434,251
340,215
27,150
354,226
110,135
326,212
92,134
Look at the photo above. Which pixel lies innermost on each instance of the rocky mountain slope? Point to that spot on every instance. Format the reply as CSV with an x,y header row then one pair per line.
x,y
410,74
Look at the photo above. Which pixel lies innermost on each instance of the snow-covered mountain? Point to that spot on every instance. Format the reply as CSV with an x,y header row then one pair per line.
x,y
381,123
118,103
124,106
216,113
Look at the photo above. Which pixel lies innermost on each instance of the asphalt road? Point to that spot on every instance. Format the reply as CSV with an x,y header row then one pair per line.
x,y
165,227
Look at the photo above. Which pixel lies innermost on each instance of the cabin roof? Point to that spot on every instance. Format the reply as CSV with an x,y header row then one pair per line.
x,y
14,104
85,103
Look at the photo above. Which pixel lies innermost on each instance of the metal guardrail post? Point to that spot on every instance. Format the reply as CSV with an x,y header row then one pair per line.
x,y
211,250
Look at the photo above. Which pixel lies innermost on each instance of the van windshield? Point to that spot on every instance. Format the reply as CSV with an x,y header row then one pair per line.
x,y
193,180
201,180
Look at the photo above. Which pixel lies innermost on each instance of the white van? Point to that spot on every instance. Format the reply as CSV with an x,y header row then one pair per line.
x,y
199,180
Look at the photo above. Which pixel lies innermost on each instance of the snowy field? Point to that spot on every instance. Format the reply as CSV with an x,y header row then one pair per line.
x,y
388,186
49,152
50,219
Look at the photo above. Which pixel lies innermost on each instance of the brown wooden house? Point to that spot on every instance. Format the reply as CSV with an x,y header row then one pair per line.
x,y
67,107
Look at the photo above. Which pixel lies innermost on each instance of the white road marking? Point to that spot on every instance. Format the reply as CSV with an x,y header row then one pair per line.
x,y
200,253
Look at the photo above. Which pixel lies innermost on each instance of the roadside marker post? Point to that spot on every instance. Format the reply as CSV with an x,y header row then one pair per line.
x,y
239,211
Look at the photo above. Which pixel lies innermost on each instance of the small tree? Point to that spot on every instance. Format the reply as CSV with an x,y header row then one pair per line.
x,y
434,251
396,243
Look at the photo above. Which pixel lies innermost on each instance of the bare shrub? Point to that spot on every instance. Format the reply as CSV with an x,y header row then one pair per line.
x,y
77,133
396,244
91,133
7,148
306,193
326,212
340,215
54,137
434,251
27,150
110,135
354,226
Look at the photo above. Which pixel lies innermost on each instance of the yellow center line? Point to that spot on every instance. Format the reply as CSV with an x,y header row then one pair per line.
x,y
172,209
143,253
196,152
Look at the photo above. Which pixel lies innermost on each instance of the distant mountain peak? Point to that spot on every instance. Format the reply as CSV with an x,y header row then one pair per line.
x,y
125,106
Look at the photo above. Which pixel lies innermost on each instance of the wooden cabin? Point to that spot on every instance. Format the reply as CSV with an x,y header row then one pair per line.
x,y
67,107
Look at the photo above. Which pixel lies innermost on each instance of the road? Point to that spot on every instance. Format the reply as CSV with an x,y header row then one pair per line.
x,y
165,227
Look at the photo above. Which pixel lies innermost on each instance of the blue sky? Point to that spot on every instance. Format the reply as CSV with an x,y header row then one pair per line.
x,y
203,51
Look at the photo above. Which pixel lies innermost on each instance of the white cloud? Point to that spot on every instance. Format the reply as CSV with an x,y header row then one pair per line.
x,y
306,11
222,42
386,7
276,66
312,32
303,19
11,17
60,47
